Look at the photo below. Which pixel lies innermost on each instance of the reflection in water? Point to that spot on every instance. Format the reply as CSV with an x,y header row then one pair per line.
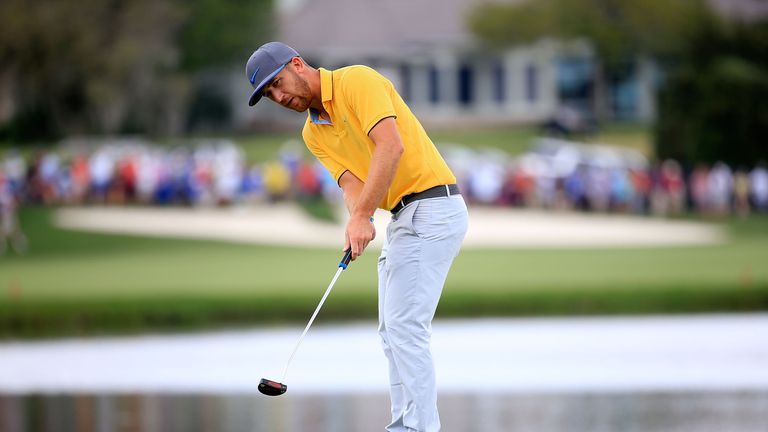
x,y
604,412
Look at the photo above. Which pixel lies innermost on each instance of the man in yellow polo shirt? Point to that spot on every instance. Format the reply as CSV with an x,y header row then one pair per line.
x,y
362,131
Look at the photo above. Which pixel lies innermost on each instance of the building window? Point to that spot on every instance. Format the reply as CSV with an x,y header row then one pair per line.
x,y
531,83
575,83
405,81
466,84
434,84
624,91
499,83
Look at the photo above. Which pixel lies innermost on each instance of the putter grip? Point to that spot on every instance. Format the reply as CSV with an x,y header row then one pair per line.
x,y
346,259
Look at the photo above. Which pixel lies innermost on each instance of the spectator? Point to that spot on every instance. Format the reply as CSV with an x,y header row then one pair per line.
x,y
741,193
720,188
486,181
11,235
642,185
101,169
15,170
758,187
598,188
621,190
147,175
307,181
228,167
699,186
575,189
213,173
669,192
277,181
253,185
546,186
79,179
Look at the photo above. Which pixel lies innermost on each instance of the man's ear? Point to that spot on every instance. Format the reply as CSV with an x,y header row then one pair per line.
x,y
298,64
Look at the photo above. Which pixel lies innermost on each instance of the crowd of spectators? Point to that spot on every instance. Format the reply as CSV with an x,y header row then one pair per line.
x,y
554,175
134,171
558,175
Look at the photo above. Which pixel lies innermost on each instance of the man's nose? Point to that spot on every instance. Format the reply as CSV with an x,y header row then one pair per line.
x,y
278,96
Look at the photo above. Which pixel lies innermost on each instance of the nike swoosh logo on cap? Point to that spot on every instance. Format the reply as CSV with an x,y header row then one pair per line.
x,y
253,77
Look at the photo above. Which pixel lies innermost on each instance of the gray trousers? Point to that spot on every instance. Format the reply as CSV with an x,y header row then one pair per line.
x,y
422,241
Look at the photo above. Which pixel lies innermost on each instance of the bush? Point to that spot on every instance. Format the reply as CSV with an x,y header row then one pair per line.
x,y
712,108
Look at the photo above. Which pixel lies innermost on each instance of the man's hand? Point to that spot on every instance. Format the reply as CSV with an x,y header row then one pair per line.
x,y
360,231
362,198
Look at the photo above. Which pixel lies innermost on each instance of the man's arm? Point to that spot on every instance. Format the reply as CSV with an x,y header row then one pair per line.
x,y
362,199
352,188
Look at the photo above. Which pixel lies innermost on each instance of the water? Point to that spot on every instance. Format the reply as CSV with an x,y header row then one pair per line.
x,y
703,373
564,412
521,356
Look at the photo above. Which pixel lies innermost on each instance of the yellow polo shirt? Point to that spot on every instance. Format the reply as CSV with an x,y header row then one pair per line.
x,y
357,98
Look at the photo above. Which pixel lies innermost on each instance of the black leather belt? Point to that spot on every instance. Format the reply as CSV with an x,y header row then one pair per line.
x,y
435,192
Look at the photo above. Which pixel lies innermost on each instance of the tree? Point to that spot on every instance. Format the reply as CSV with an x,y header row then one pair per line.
x,y
85,65
96,66
619,30
712,101
713,106
219,32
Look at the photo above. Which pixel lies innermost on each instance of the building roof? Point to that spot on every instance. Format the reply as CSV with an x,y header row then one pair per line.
x,y
362,27
748,10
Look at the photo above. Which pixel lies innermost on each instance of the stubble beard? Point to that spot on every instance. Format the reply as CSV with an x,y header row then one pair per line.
x,y
303,95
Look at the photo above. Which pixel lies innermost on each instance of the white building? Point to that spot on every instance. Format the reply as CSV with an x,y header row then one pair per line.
x,y
443,72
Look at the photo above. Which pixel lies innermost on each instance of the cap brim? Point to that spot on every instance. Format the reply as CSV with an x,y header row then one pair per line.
x,y
256,96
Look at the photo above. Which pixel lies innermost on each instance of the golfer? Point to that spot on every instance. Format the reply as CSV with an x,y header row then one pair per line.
x,y
362,131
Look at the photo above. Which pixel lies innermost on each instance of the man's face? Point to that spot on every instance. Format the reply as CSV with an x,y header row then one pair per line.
x,y
289,89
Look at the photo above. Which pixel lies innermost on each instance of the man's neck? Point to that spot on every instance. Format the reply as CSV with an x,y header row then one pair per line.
x,y
315,89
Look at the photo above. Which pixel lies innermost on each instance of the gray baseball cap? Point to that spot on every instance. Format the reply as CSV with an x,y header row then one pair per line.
x,y
266,62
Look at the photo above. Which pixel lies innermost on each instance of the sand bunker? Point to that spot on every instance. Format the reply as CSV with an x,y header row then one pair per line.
x,y
289,225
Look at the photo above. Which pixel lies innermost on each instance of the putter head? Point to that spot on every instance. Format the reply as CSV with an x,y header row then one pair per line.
x,y
272,388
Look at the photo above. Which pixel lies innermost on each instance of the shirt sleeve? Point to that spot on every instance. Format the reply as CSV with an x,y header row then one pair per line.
x,y
325,159
369,94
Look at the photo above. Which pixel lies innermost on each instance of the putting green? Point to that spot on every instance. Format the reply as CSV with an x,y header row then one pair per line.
x,y
73,282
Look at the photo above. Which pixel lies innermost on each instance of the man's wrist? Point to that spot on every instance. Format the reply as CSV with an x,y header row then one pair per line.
x,y
362,215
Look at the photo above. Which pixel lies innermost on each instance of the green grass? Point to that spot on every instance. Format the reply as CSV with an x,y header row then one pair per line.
x,y
266,146
632,135
516,140
512,139
83,283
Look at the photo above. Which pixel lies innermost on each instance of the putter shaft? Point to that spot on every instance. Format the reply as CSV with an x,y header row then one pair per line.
x,y
309,324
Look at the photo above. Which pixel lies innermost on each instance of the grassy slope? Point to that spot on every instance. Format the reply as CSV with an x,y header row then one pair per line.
x,y
77,282
84,283
513,140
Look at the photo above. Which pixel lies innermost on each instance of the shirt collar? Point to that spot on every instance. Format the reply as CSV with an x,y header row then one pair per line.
x,y
315,117
326,84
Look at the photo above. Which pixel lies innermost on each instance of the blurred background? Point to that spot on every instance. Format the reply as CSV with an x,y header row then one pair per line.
x,y
162,244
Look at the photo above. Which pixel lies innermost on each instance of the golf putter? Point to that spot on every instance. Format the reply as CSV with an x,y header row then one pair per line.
x,y
275,388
